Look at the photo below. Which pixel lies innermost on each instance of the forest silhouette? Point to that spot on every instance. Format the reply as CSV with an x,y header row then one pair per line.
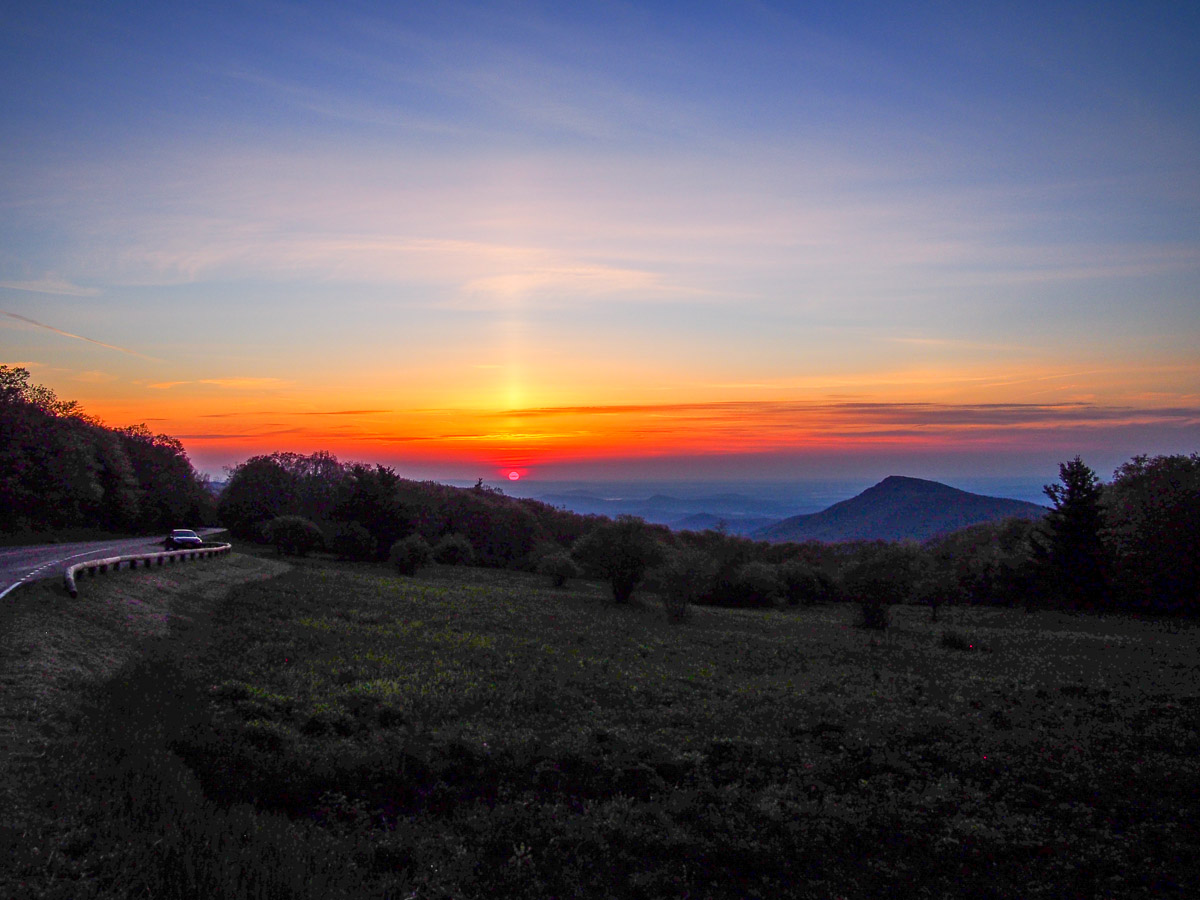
x,y
1130,544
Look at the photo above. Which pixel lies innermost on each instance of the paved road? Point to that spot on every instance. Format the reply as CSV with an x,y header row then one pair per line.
x,y
21,564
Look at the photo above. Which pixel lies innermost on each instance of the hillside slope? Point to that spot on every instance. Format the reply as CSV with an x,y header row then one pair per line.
x,y
899,508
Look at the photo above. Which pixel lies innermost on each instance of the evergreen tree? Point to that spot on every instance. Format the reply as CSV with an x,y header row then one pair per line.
x,y
1069,548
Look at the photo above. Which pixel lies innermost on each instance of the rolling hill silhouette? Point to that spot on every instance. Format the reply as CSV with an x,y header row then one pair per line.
x,y
899,508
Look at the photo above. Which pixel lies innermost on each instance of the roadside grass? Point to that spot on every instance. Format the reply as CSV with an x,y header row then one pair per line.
x,y
56,655
344,731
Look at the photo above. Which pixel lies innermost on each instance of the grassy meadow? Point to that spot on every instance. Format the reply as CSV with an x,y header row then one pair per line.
x,y
338,730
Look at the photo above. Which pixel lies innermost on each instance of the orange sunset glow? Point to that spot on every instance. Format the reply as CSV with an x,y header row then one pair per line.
x,y
905,412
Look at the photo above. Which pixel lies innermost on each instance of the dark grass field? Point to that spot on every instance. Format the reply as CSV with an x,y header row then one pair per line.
x,y
341,731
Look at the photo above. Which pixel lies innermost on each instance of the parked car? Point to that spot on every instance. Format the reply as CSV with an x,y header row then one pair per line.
x,y
181,538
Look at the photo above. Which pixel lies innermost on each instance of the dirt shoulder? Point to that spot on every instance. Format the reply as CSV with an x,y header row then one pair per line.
x,y
52,648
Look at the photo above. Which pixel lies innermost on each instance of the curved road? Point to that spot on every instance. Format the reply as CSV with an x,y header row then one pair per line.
x,y
21,564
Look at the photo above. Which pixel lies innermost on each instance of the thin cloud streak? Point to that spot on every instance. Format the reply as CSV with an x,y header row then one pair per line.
x,y
751,427
346,412
79,337
235,383
764,413
51,285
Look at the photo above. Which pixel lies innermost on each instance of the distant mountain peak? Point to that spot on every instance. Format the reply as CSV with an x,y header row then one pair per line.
x,y
907,481
900,508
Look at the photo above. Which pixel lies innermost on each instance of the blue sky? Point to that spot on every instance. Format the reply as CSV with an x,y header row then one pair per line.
x,y
454,236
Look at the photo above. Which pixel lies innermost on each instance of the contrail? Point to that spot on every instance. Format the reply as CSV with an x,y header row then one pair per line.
x,y
79,337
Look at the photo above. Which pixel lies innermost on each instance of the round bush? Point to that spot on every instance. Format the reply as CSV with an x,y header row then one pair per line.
x,y
294,535
755,584
409,554
454,550
559,567
352,541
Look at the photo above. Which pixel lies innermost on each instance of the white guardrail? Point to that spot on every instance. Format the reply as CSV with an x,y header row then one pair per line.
x,y
93,567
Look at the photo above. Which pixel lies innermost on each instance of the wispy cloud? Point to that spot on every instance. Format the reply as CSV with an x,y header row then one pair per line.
x,y
51,284
258,413
730,429
239,435
346,412
78,337
247,384
566,284
771,420
470,274
95,377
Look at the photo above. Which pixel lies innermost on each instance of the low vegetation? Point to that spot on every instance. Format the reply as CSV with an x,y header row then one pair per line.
x,y
294,535
339,731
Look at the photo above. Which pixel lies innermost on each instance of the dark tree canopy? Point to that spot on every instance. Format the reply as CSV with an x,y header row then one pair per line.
x,y
619,551
61,468
256,492
887,575
161,466
1153,517
371,496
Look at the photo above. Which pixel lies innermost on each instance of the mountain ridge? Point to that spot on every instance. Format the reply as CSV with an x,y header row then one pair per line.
x,y
899,508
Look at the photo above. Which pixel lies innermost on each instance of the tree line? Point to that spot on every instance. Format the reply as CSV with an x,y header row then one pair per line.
x,y
61,468
1130,544
359,511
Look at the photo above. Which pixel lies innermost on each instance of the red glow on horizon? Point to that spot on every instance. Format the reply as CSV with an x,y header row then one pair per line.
x,y
698,437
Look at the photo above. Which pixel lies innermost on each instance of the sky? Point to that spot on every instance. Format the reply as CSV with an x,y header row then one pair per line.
x,y
712,240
